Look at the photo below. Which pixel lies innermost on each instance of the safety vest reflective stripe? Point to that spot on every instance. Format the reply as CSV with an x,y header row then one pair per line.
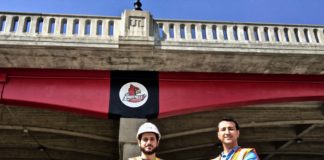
x,y
241,153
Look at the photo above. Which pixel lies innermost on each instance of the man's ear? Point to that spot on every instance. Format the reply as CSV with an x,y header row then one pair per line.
x,y
238,133
139,142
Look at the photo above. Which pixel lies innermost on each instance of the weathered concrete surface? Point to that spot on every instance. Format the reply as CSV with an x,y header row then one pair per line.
x,y
148,58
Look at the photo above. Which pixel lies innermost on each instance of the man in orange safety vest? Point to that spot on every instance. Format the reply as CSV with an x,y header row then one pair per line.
x,y
228,132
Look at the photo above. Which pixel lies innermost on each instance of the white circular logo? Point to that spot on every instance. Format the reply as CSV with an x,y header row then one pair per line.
x,y
133,94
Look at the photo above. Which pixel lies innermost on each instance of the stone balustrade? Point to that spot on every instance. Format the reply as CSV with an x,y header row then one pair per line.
x,y
63,30
172,30
96,31
57,25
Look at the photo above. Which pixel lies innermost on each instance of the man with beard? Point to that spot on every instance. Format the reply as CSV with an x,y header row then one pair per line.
x,y
228,132
148,138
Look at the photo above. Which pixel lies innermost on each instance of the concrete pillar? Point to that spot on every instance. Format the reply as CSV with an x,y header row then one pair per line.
x,y
127,137
137,23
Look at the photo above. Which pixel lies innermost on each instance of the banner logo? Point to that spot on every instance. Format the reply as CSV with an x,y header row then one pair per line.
x,y
133,94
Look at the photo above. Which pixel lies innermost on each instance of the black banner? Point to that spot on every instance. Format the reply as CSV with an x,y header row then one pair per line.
x,y
134,94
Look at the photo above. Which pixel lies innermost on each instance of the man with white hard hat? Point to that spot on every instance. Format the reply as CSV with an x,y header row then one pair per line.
x,y
148,138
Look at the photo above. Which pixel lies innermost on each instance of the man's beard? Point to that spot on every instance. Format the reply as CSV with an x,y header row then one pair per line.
x,y
148,152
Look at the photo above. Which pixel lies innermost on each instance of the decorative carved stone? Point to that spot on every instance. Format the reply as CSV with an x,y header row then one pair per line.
x,y
136,26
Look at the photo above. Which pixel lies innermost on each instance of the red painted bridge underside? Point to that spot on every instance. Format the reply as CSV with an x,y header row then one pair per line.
x,y
88,92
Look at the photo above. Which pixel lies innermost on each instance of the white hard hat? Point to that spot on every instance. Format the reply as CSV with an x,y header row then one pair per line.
x,y
148,127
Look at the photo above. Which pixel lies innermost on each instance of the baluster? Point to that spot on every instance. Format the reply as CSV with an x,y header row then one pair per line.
x,y
104,29
21,23
199,30
255,31
304,35
187,31
321,35
281,35
9,19
209,32
240,33
69,26
230,32
33,23
93,27
291,34
263,33
250,33
311,34
220,32
297,35
82,24
176,29
46,25
116,28
57,26
166,28
271,34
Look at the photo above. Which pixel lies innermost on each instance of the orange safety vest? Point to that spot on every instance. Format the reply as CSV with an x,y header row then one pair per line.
x,y
239,154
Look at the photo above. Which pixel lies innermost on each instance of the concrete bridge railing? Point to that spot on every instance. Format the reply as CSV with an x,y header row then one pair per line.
x,y
96,31
171,30
58,29
57,25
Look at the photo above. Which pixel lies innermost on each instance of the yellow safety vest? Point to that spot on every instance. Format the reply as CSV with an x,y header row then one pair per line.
x,y
239,154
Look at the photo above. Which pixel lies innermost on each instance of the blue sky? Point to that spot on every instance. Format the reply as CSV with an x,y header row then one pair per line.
x,y
259,11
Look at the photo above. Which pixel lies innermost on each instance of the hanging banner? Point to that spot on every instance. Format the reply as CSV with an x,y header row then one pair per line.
x,y
134,94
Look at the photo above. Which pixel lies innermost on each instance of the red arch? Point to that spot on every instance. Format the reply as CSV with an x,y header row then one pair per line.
x,y
88,92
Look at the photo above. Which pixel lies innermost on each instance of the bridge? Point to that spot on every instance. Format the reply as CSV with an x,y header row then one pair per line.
x,y
60,76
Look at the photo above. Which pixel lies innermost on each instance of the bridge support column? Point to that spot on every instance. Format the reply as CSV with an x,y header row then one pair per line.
x,y
127,137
